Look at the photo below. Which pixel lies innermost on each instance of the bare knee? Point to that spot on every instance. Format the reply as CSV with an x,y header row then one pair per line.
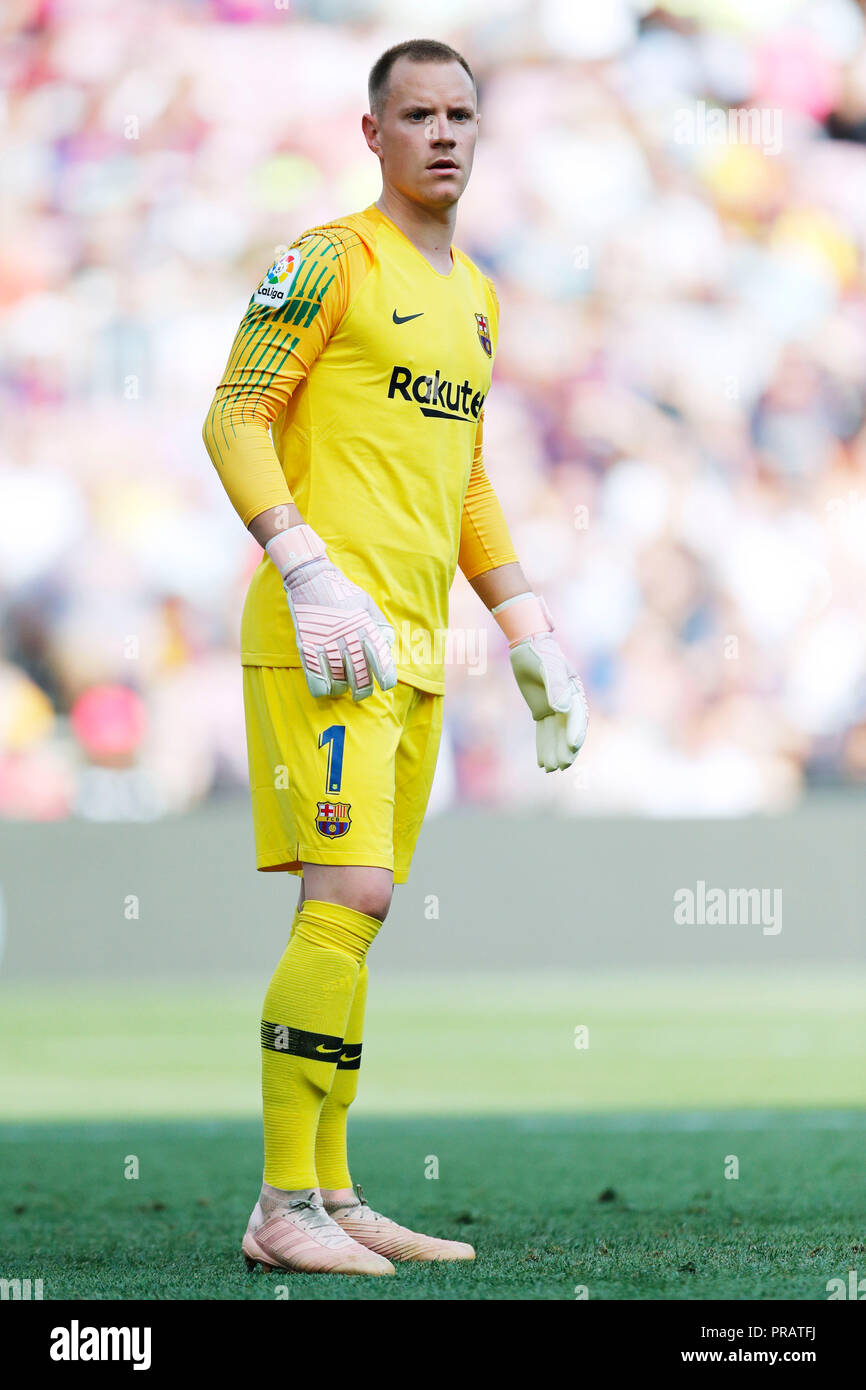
x,y
365,889
374,903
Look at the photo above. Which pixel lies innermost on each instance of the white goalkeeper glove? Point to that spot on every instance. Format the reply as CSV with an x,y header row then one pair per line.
x,y
547,683
345,642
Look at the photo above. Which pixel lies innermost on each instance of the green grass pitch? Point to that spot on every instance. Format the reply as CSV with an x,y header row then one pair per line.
x,y
636,1210
598,1168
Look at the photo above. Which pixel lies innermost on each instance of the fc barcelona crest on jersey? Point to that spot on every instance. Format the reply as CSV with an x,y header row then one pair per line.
x,y
333,818
484,334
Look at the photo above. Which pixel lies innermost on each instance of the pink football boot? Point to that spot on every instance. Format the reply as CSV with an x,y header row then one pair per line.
x,y
385,1237
302,1237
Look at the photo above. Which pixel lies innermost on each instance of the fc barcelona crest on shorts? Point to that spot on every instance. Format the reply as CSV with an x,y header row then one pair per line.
x,y
333,818
484,334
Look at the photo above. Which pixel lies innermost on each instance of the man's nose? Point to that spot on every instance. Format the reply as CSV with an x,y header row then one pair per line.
x,y
438,131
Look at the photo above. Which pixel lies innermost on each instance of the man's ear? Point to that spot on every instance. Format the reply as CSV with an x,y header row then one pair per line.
x,y
370,127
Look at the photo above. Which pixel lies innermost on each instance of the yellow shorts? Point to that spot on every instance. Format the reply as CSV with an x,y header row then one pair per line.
x,y
334,782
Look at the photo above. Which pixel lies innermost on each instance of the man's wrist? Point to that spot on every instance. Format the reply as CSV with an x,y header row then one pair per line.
x,y
522,616
295,546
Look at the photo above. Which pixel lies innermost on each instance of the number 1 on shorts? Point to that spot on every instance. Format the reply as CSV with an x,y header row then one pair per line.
x,y
335,736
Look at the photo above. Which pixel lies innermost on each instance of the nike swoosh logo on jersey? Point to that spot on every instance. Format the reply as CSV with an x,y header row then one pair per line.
x,y
406,317
328,1049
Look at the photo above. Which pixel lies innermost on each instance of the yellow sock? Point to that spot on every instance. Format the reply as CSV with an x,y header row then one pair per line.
x,y
332,1163
304,1020
332,1158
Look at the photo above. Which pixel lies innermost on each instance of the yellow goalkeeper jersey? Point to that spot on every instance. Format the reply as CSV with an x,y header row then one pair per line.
x,y
355,387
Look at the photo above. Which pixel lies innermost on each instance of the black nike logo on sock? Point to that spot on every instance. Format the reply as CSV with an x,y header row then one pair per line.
x,y
406,317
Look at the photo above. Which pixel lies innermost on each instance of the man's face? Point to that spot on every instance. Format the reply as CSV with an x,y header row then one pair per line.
x,y
425,135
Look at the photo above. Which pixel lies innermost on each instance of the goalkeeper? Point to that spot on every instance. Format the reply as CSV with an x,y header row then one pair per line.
x,y
347,432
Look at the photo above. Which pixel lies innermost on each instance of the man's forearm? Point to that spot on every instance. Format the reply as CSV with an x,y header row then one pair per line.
x,y
497,585
269,524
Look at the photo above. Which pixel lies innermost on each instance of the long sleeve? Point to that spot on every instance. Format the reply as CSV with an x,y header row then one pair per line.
x,y
485,542
286,326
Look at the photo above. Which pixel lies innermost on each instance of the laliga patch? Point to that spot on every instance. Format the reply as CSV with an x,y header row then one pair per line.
x,y
274,289
333,818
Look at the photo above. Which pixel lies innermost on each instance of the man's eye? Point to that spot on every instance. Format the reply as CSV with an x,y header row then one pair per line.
x,y
417,115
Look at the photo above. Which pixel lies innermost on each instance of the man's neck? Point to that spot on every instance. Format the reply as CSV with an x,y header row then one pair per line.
x,y
429,230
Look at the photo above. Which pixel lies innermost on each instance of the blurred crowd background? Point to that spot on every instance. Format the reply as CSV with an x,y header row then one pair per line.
x,y
672,204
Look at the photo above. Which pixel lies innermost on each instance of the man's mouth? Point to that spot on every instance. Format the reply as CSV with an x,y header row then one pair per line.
x,y
444,163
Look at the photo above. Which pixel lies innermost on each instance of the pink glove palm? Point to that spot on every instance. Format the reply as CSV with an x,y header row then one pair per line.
x,y
344,639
